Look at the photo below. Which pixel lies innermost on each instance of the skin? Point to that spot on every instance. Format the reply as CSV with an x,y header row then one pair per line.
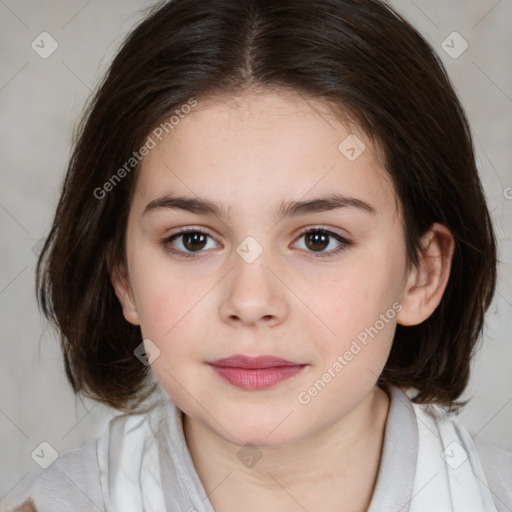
x,y
250,153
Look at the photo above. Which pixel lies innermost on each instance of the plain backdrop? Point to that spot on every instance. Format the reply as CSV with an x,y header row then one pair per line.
x,y
41,100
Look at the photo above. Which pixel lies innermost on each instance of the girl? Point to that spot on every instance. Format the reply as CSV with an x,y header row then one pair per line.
x,y
273,223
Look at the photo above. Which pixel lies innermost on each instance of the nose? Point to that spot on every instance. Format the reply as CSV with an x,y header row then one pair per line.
x,y
254,295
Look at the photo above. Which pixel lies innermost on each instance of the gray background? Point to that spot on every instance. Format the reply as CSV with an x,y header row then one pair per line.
x,y
41,100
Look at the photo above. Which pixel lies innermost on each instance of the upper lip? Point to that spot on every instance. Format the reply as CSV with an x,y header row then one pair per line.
x,y
263,361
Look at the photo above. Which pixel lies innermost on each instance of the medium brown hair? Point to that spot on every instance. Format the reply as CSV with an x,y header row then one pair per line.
x,y
359,55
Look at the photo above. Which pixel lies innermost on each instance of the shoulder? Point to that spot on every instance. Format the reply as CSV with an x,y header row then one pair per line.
x,y
495,462
78,476
497,465
73,479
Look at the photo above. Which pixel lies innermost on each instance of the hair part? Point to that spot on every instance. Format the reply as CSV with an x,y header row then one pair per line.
x,y
358,56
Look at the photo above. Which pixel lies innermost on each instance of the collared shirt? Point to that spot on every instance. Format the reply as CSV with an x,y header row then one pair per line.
x,y
86,480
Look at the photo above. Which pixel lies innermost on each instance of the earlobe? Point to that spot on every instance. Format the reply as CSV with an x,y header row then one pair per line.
x,y
123,290
427,281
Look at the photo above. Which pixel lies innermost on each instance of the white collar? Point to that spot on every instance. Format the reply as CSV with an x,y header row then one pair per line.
x,y
145,464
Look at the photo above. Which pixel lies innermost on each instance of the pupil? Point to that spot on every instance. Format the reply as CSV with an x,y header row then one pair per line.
x,y
195,239
317,238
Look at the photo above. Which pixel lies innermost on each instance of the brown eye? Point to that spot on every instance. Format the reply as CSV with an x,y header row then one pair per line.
x,y
317,240
188,243
194,241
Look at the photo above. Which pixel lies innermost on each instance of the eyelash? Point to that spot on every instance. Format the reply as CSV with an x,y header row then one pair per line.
x,y
344,243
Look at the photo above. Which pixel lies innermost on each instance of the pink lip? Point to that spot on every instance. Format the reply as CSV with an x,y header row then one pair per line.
x,y
255,372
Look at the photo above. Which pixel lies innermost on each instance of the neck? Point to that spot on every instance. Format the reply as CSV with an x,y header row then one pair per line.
x,y
339,462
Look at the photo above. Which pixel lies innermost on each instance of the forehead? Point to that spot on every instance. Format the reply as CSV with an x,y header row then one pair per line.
x,y
263,145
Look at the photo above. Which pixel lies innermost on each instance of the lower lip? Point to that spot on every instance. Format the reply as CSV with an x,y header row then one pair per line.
x,y
257,378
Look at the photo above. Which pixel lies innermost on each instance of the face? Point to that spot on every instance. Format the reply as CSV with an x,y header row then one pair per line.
x,y
319,285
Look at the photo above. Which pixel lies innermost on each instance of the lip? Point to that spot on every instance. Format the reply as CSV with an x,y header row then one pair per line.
x,y
263,361
258,372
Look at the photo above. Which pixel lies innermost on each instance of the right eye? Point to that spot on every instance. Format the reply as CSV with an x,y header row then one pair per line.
x,y
187,242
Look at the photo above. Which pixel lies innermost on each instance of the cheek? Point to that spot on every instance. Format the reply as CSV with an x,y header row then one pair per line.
x,y
169,318
165,299
172,315
167,312
357,309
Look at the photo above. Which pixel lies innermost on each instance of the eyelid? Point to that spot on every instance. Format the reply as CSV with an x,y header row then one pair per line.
x,y
342,240
320,227
192,229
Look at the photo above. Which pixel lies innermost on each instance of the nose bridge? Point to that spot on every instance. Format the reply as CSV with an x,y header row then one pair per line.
x,y
254,293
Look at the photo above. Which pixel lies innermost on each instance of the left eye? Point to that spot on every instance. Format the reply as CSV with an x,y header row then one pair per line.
x,y
318,240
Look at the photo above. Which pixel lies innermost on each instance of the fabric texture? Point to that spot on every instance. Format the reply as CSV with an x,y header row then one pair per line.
x,y
429,463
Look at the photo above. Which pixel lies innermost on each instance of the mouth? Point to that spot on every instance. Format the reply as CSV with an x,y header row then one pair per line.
x,y
256,372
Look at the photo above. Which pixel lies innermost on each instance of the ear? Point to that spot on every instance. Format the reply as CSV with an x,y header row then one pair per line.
x,y
427,281
123,289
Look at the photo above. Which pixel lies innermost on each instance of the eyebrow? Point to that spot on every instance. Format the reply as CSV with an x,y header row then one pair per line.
x,y
289,209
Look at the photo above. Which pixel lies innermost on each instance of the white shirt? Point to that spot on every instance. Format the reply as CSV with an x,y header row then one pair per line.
x,y
429,463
